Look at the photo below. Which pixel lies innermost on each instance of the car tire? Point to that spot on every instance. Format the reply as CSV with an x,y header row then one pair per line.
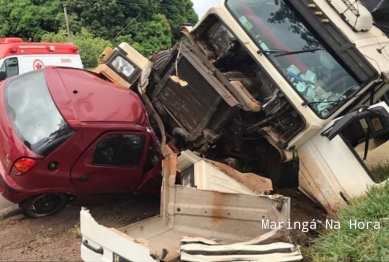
x,y
43,205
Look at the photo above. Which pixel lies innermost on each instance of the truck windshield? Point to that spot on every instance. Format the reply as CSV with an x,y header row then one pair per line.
x,y
283,36
33,114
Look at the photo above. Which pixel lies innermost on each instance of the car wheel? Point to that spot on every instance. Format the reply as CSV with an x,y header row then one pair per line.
x,y
43,205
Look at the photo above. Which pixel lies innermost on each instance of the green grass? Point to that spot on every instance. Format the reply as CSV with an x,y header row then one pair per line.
x,y
381,170
76,230
3,224
349,244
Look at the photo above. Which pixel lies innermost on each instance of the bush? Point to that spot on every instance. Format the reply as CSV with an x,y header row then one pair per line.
x,y
90,47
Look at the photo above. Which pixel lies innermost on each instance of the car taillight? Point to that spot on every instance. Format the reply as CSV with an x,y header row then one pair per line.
x,y
22,165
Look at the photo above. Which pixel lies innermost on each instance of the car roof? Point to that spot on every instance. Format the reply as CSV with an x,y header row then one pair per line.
x,y
97,100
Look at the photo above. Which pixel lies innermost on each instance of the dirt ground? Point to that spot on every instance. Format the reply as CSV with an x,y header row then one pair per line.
x,y
57,238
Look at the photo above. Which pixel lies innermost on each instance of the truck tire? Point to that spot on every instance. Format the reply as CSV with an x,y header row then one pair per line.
x,y
43,205
161,60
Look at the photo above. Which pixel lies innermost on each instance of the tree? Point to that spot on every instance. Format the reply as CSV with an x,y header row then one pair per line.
x,y
152,36
178,12
90,47
107,18
148,25
30,19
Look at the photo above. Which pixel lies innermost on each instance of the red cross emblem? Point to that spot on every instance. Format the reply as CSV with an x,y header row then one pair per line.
x,y
37,64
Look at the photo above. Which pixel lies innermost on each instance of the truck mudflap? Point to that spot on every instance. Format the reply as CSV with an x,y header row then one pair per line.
x,y
332,165
240,225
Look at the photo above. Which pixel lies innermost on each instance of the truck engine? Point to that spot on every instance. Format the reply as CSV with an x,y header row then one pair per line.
x,y
215,99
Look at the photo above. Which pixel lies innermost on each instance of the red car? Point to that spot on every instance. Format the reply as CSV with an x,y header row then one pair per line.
x,y
67,134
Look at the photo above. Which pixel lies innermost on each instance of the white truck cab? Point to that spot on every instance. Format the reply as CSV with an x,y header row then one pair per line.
x,y
18,57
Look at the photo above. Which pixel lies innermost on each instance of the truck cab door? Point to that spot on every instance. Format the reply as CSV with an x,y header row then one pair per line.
x,y
9,68
112,164
332,169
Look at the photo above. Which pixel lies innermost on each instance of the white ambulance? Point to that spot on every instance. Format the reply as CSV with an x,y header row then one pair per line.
x,y
18,57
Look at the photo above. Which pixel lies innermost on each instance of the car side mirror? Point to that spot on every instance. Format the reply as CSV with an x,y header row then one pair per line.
x,y
3,75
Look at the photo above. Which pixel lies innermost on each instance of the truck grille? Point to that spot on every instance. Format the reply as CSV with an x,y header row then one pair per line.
x,y
193,104
205,102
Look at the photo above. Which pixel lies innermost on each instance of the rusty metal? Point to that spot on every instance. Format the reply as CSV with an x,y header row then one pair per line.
x,y
255,182
143,82
207,92
164,254
193,105
248,102
187,211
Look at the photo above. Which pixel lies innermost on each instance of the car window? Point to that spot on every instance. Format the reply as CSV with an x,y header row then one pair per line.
x,y
33,113
119,150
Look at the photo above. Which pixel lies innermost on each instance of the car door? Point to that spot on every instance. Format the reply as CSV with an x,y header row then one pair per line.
x,y
331,170
112,164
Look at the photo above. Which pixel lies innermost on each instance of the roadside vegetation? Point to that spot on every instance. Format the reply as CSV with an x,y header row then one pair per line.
x,y
90,46
147,25
76,230
358,244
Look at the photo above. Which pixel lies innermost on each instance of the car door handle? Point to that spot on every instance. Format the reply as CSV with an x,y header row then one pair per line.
x,y
99,250
85,177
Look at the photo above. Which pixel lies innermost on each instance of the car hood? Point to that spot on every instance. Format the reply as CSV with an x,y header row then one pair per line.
x,y
61,97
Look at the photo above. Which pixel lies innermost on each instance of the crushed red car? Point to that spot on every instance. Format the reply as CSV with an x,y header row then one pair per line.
x,y
67,134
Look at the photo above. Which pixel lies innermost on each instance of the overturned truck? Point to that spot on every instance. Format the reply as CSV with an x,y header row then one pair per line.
x,y
291,90
258,85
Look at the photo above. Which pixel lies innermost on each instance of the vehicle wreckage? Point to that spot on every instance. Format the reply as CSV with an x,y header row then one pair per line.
x,y
221,205
247,89
294,91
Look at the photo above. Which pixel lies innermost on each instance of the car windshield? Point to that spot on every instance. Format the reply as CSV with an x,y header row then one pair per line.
x,y
282,35
33,114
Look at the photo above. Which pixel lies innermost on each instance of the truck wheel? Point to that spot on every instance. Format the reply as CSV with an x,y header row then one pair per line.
x,y
161,60
43,205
